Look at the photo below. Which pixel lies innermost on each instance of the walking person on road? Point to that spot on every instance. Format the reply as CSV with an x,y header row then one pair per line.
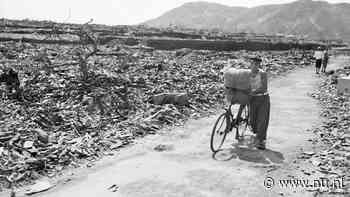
x,y
318,56
325,61
259,104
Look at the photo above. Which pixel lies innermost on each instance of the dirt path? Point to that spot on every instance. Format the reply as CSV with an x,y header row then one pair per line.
x,y
188,169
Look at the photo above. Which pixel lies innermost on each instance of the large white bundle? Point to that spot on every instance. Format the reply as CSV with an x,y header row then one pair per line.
x,y
237,78
236,97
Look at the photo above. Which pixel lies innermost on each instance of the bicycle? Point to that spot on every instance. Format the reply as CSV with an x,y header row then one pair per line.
x,y
241,124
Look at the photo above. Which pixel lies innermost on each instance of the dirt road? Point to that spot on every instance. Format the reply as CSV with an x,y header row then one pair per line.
x,y
187,168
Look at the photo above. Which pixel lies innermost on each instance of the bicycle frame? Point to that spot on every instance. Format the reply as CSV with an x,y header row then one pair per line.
x,y
232,119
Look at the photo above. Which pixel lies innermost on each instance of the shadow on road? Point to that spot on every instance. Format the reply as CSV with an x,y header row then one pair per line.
x,y
249,154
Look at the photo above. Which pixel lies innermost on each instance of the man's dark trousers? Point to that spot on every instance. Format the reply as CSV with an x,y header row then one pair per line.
x,y
260,115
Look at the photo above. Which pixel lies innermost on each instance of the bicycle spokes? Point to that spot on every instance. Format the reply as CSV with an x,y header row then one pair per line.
x,y
224,125
219,132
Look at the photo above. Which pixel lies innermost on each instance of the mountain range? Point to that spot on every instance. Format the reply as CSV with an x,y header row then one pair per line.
x,y
313,19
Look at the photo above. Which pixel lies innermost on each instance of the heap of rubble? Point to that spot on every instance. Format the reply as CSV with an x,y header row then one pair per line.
x,y
334,161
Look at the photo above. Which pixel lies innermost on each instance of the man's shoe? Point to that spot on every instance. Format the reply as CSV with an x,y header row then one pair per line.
x,y
260,145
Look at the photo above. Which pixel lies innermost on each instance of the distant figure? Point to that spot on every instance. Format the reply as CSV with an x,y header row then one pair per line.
x,y
325,61
318,56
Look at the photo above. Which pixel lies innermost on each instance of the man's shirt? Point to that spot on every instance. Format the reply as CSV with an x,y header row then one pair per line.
x,y
258,83
318,55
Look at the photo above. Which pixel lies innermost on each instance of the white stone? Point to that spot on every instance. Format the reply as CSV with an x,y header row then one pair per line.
x,y
343,85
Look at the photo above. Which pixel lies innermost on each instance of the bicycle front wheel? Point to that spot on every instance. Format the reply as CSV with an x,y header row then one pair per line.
x,y
219,132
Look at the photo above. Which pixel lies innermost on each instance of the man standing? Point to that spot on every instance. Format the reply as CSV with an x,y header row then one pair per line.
x,y
318,56
325,61
260,103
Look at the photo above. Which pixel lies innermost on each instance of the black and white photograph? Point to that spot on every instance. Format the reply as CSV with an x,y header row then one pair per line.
x,y
175,98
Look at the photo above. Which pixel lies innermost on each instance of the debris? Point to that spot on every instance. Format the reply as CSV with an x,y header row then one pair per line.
x,y
113,188
116,145
309,153
315,162
170,98
163,147
39,186
2,150
333,161
64,119
28,144
273,168
42,135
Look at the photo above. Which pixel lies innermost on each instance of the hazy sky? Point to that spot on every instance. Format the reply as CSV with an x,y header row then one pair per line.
x,y
111,12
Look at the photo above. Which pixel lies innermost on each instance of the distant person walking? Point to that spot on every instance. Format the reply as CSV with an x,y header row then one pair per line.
x,y
318,56
325,61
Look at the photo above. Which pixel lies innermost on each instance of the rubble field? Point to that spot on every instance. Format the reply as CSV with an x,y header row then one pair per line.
x,y
67,117
333,161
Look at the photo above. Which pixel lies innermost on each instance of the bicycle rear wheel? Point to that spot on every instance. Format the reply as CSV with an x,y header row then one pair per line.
x,y
220,130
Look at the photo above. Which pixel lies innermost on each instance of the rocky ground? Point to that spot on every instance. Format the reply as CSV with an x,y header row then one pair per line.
x,y
332,161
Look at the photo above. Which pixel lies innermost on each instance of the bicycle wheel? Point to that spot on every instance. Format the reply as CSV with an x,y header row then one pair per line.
x,y
242,124
219,132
